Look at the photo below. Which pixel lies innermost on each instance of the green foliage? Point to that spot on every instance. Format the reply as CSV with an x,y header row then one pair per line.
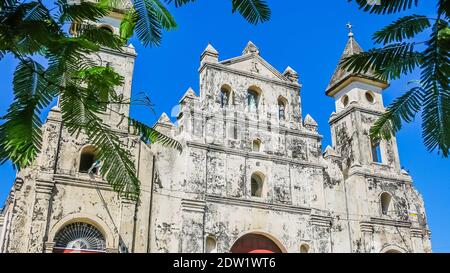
x,y
86,90
403,108
404,28
386,6
20,134
397,58
389,62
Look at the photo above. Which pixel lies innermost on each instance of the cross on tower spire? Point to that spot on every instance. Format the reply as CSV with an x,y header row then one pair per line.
x,y
350,29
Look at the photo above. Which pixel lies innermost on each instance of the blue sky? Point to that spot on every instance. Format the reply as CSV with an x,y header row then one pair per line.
x,y
309,36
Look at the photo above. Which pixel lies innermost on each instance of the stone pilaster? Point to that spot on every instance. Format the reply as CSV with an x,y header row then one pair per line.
x,y
192,226
321,227
367,236
40,214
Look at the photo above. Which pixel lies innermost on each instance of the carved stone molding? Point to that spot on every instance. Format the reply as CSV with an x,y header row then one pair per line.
x,y
193,205
254,155
390,222
366,227
44,186
256,204
319,220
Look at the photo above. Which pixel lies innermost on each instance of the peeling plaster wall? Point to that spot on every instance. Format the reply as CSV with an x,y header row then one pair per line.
x,y
329,201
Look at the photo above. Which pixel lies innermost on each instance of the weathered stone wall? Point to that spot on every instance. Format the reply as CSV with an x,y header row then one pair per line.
x,y
327,202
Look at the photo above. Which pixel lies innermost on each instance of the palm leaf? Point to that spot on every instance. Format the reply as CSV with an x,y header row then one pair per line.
x,y
150,135
253,11
128,24
389,62
99,36
404,108
435,80
20,134
403,28
83,11
385,6
151,19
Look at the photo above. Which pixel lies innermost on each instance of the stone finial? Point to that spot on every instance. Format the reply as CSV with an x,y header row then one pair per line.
x,y
309,121
291,74
329,151
189,94
251,48
164,119
210,55
164,125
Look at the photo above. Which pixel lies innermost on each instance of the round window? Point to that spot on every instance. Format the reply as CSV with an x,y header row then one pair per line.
x,y
369,97
345,100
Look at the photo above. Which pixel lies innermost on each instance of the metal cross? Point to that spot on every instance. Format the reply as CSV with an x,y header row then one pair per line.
x,y
350,27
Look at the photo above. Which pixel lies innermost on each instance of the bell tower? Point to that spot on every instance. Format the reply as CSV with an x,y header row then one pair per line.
x,y
122,61
359,103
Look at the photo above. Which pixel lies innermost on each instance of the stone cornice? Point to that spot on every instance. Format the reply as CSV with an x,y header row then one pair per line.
x,y
320,220
393,177
389,222
366,227
82,182
44,186
257,204
253,155
193,205
353,108
249,75
418,233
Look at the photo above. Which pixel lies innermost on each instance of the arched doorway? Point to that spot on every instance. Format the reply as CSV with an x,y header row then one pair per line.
x,y
255,243
79,237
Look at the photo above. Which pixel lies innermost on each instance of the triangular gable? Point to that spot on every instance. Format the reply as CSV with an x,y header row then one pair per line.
x,y
255,64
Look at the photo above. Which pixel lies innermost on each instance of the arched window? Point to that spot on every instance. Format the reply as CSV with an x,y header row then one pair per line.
x,y
385,201
256,185
253,96
256,145
225,96
88,158
107,28
345,100
281,108
370,97
79,237
304,248
376,151
211,245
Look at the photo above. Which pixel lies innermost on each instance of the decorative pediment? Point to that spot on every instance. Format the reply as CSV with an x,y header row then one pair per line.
x,y
253,63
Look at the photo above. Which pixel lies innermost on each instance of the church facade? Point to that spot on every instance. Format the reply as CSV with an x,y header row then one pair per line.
x,y
252,176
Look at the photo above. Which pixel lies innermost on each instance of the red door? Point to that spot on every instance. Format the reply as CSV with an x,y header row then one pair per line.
x,y
255,243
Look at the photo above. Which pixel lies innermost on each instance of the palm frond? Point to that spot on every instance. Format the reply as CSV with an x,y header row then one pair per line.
x,y
403,28
151,135
83,11
20,134
435,80
253,11
404,108
81,115
7,3
128,24
385,6
389,62
179,3
99,36
152,18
